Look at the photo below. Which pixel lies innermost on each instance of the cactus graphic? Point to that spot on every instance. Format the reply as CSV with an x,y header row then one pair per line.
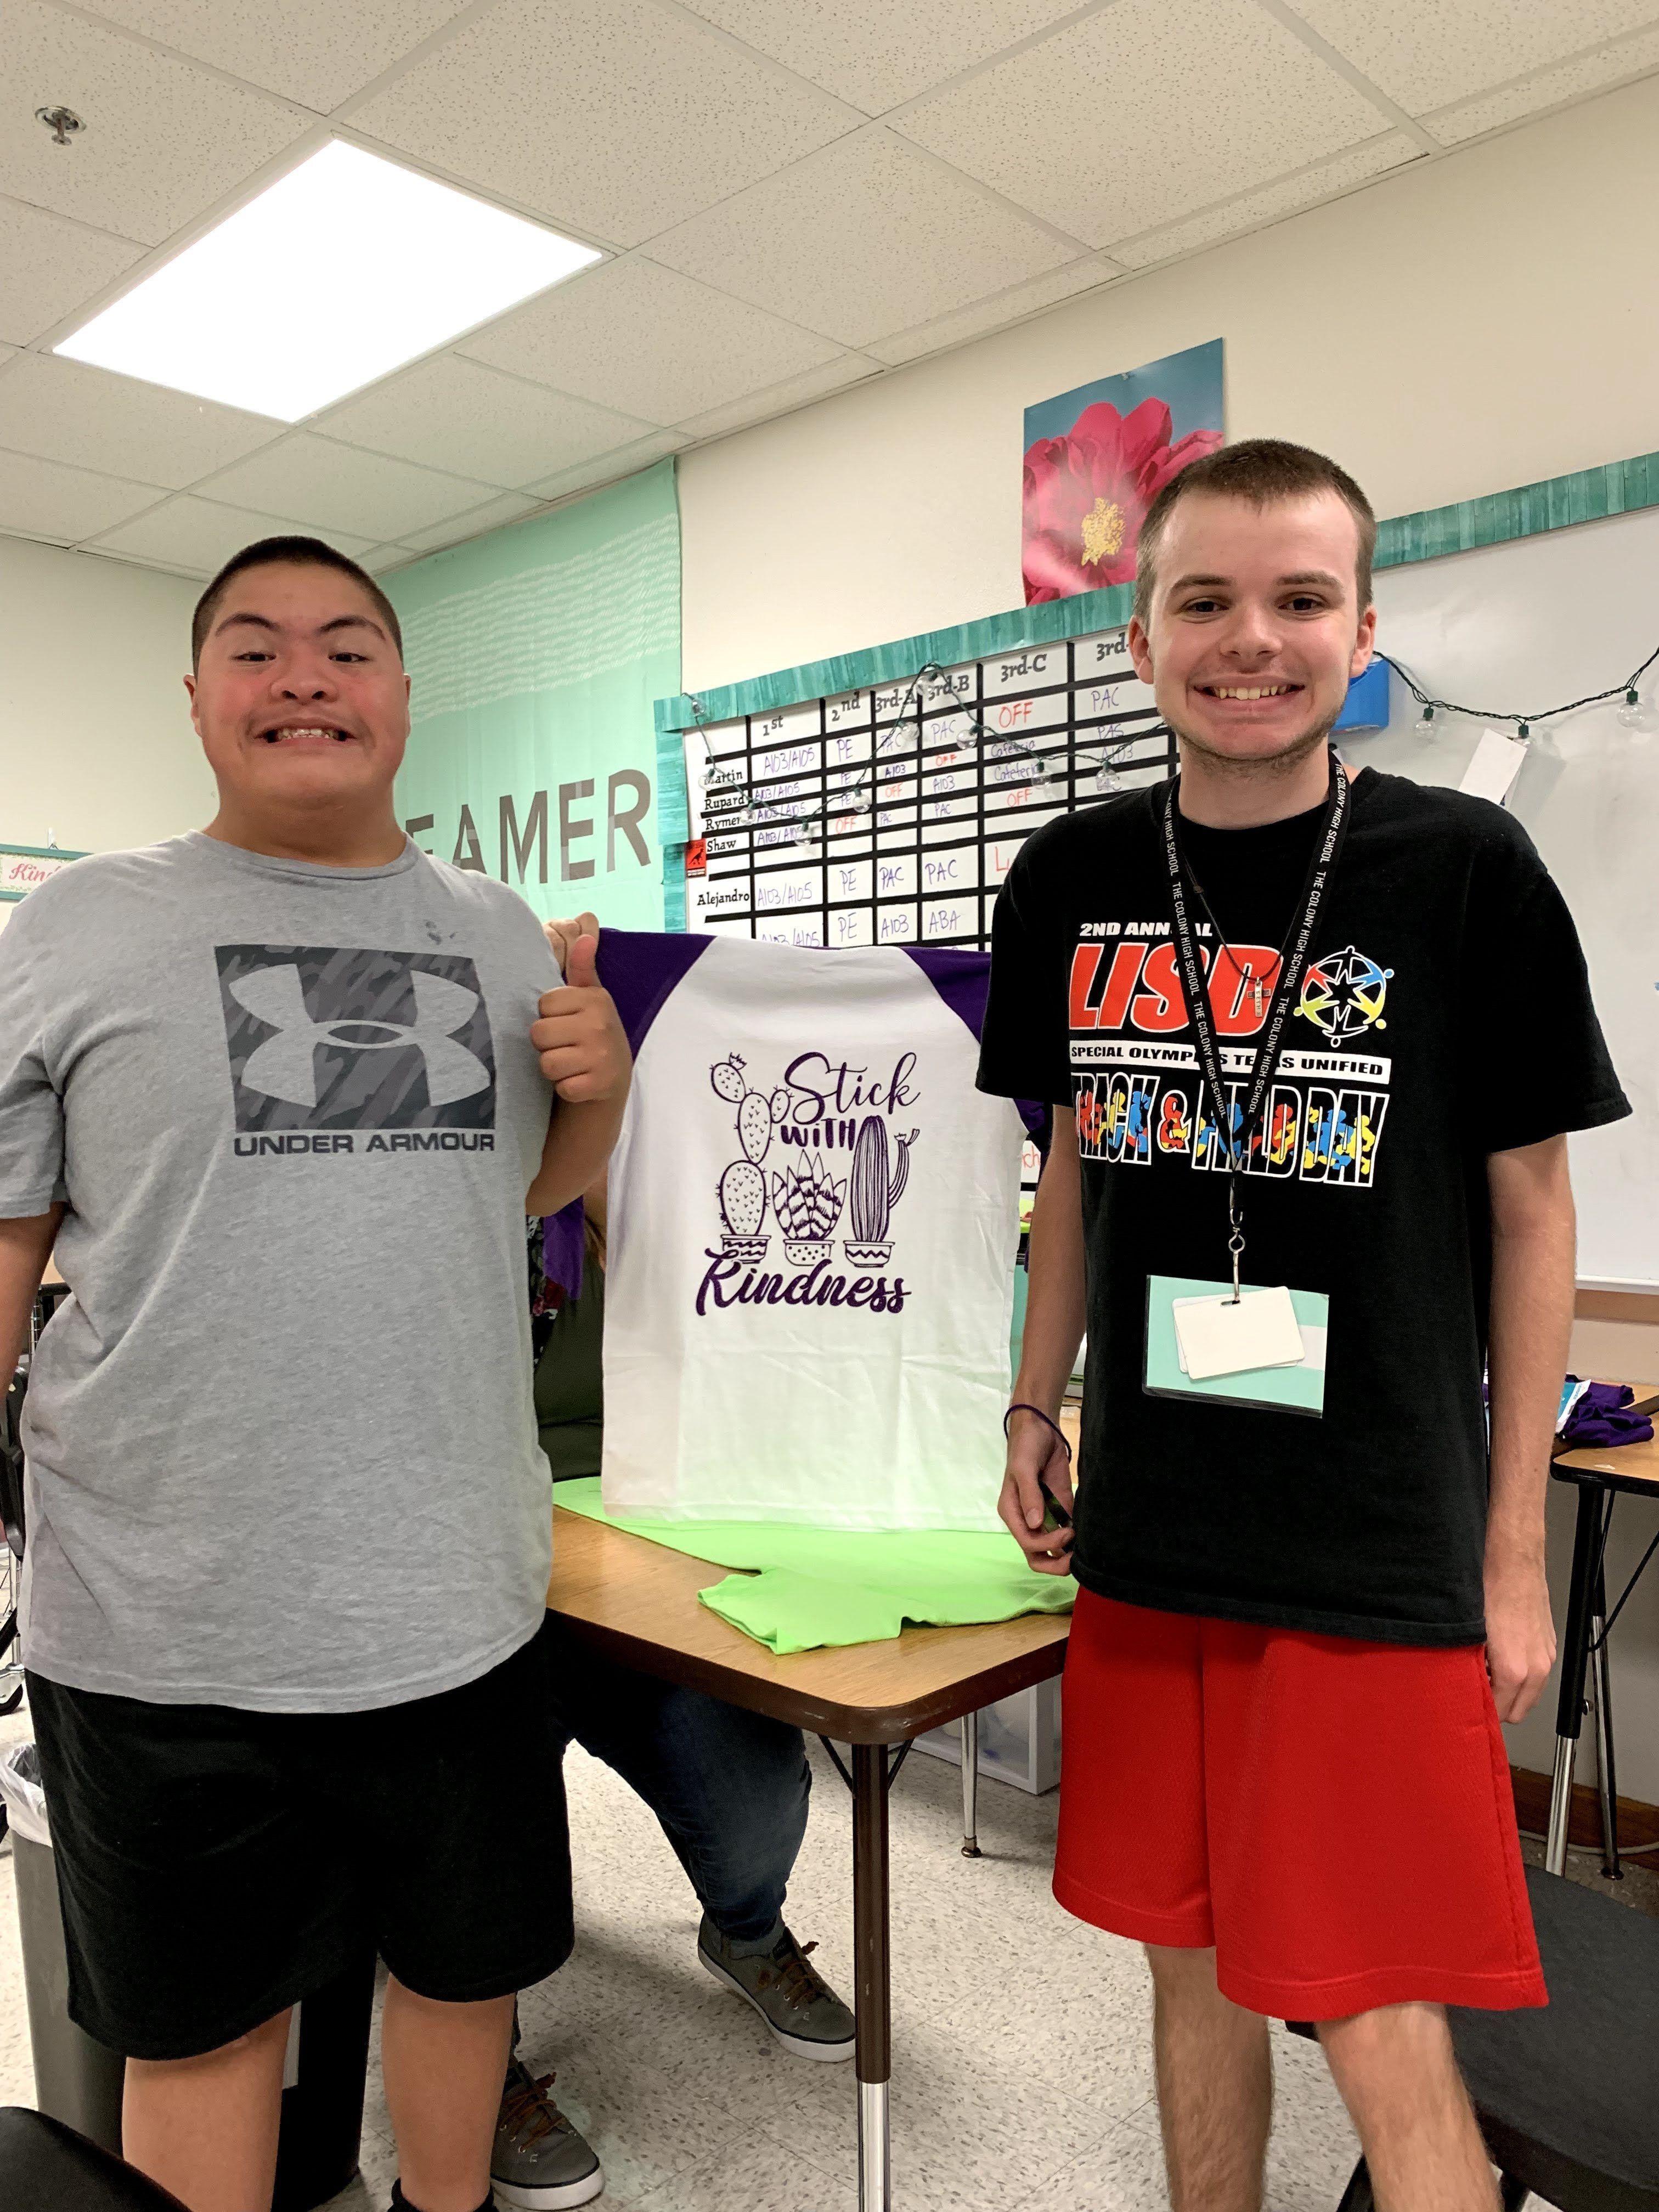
x,y
873,1192
742,1191
758,1115
807,1204
741,1188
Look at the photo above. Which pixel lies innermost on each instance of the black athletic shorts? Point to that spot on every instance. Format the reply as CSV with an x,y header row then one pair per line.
x,y
216,1865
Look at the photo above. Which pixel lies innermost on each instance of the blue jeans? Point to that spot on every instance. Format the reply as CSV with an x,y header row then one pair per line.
x,y
729,1788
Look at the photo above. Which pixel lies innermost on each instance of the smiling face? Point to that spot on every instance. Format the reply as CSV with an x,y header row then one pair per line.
x,y
300,702
1254,629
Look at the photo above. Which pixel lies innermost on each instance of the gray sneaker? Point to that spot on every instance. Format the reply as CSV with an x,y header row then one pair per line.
x,y
540,2162
794,1999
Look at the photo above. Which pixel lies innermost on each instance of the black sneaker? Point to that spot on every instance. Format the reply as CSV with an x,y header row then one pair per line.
x,y
541,2163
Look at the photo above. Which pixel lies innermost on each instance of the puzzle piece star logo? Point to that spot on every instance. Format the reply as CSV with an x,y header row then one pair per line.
x,y
1344,994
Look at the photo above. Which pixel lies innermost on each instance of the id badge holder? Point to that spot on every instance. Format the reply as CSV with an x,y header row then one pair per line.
x,y
1265,1349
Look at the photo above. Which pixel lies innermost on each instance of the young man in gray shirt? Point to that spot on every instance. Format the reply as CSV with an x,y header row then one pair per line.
x,y
279,1095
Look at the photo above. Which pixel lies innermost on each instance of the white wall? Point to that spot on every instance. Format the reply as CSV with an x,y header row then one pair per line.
x,y
1469,325
96,747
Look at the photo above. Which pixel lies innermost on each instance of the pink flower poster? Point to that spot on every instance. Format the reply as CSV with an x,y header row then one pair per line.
x,y
1097,458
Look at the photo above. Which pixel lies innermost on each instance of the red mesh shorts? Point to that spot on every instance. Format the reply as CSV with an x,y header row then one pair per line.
x,y
1335,1817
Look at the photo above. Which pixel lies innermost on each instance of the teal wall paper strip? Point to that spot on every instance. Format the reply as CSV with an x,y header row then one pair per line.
x,y
1559,503
898,662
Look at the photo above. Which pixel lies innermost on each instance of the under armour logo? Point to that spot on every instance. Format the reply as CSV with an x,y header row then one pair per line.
x,y
285,1066
326,1037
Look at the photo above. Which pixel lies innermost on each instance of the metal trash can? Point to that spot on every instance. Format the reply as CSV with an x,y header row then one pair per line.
x,y
79,2081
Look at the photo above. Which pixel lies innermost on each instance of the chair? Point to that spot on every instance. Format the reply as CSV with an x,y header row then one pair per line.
x,y
1568,2095
47,2167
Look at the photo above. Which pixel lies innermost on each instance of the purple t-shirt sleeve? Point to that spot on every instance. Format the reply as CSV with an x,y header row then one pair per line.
x,y
641,967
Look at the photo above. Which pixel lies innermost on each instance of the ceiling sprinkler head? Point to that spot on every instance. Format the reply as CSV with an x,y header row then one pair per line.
x,y
62,122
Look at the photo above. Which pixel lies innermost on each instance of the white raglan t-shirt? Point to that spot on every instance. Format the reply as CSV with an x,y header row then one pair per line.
x,y
812,1230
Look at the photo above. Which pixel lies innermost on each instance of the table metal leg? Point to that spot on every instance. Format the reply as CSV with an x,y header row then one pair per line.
x,y
873,1994
1575,1653
970,1849
1606,1769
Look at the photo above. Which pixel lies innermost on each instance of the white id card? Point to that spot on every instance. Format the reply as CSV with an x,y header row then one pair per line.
x,y
1225,1336
1200,1344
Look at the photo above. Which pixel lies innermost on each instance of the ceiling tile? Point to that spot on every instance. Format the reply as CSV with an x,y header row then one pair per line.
x,y
604,468
874,54
1250,212
163,141
332,486
48,267
199,536
781,398
386,557
317,56
639,336
992,314
1590,73
457,414
511,507
66,411
611,115
864,239
1424,53
44,499
1174,106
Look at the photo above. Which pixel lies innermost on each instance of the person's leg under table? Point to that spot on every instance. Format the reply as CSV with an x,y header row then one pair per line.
x,y
730,1788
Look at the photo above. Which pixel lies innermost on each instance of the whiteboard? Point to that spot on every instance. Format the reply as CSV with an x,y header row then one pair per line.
x,y
1516,628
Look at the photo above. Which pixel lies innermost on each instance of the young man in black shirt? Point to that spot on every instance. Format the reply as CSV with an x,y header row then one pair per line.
x,y
1310,1588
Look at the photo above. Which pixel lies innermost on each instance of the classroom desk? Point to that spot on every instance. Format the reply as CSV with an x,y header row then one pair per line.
x,y
637,1601
1601,1474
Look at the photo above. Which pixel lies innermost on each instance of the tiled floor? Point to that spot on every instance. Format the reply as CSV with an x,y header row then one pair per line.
x,y
1022,2068
1022,2079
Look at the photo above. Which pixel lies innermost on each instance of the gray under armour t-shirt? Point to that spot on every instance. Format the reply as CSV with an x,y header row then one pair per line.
x,y
281,1442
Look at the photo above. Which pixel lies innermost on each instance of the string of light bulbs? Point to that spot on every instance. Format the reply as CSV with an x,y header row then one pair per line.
x,y
1631,713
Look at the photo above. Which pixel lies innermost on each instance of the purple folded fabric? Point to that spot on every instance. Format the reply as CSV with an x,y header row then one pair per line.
x,y
563,1244
1599,1418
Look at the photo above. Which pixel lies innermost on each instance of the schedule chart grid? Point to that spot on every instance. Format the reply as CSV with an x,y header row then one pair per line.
x,y
891,815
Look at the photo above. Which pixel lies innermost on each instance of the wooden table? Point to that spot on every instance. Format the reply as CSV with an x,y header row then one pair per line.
x,y
637,1601
1600,1474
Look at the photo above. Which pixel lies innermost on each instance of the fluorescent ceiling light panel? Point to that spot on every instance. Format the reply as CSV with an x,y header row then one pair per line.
x,y
344,269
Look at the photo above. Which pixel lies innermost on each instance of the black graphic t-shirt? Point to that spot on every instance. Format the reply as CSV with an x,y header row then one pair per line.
x,y
1446,1015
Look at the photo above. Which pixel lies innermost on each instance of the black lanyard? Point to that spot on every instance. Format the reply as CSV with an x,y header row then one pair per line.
x,y
1293,959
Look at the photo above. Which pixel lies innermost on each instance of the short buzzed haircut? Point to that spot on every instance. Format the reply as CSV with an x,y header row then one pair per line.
x,y
286,552
1262,471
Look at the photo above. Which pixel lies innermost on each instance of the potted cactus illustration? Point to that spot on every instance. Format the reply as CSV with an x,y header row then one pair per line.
x,y
807,1204
741,1188
873,1191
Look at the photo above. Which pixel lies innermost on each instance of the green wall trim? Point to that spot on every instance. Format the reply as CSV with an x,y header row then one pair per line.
x,y
898,662
1557,503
